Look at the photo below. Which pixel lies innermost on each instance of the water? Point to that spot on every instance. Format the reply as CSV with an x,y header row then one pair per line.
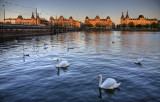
x,y
35,77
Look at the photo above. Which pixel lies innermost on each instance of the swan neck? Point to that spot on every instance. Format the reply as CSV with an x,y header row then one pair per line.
x,y
58,63
100,82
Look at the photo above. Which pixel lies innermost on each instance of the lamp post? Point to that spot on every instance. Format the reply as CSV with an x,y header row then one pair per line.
x,y
36,16
4,14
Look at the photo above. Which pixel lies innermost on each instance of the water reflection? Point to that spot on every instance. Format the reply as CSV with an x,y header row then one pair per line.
x,y
63,69
93,54
109,92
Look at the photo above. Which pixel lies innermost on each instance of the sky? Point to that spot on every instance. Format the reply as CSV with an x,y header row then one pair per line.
x,y
79,9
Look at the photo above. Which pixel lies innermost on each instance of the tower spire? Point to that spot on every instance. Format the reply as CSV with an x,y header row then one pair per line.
x,y
122,17
127,16
32,15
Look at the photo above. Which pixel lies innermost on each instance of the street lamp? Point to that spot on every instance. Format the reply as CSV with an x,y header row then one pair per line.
x,y
4,14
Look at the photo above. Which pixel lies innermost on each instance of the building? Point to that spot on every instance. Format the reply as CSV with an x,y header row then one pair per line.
x,y
61,21
107,23
140,20
31,21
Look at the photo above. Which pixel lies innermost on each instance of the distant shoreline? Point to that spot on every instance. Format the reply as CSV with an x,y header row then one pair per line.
x,y
121,30
139,30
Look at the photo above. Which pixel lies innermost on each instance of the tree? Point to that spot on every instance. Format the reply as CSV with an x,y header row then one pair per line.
x,y
154,25
124,26
8,22
146,26
139,26
98,25
117,26
88,25
56,24
131,24
158,26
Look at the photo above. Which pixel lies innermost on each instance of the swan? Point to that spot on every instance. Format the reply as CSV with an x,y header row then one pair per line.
x,y
24,49
15,41
70,47
26,55
45,46
62,64
138,61
109,83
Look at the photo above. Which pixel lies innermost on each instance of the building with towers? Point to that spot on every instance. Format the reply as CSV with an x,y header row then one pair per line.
x,y
30,21
61,21
107,23
140,20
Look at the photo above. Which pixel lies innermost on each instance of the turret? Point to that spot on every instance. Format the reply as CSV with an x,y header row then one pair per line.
x,y
32,15
108,17
87,18
20,17
37,15
122,17
61,17
127,16
97,17
70,17
51,18
140,16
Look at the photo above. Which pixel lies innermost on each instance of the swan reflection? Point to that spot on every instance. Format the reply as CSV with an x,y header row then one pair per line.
x,y
109,92
64,70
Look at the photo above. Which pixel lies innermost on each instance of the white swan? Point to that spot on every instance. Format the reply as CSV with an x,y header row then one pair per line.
x,y
138,61
109,83
15,41
70,47
62,64
45,46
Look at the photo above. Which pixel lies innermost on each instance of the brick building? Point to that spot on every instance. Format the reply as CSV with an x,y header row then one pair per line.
x,y
101,22
140,20
31,21
61,21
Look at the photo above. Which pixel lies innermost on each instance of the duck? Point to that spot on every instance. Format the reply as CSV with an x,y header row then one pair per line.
x,y
138,61
62,64
109,83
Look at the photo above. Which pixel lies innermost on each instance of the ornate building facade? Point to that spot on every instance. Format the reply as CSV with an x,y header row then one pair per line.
x,y
31,21
136,21
101,22
61,21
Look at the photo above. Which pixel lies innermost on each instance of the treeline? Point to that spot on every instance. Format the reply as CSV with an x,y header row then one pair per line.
x,y
98,25
131,25
61,25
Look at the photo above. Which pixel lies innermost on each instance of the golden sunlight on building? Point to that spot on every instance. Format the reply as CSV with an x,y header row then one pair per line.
x,y
61,21
31,21
107,23
140,20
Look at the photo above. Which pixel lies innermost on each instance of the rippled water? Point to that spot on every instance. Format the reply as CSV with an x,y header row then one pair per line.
x,y
35,77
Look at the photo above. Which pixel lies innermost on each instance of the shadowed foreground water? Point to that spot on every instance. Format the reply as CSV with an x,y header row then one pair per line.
x,y
35,77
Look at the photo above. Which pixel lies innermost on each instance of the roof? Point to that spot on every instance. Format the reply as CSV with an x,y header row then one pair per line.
x,y
141,16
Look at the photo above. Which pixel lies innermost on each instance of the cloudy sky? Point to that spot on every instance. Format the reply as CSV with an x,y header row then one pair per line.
x,y
79,9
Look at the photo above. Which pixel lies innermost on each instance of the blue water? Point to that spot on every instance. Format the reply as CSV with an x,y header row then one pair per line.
x,y
35,78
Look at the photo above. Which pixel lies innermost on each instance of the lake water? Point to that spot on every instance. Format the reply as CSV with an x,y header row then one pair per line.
x,y
35,77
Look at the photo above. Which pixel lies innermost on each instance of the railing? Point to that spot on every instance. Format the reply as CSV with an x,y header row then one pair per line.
x,y
7,30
